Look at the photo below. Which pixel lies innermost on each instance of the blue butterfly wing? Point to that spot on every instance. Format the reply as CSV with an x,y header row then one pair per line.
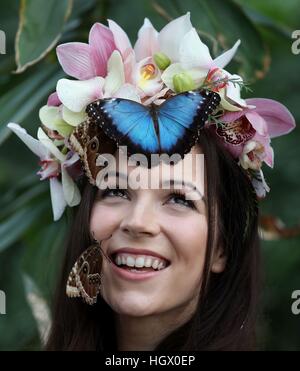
x,y
128,122
169,128
181,117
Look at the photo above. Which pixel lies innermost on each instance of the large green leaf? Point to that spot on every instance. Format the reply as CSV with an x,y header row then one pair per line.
x,y
12,228
9,11
39,29
18,102
17,327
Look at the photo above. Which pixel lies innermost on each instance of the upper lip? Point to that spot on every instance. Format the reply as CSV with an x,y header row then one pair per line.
x,y
130,250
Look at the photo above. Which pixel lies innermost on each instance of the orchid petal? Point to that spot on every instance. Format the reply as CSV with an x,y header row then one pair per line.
x,y
75,59
257,122
121,39
72,160
261,187
47,142
51,118
233,90
128,91
49,169
129,63
152,87
156,97
115,78
268,150
279,119
53,100
73,118
171,35
76,95
227,105
193,52
70,189
147,42
232,116
33,144
102,45
222,60
57,198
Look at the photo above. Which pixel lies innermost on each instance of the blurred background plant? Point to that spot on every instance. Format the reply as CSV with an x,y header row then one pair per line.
x,y
31,244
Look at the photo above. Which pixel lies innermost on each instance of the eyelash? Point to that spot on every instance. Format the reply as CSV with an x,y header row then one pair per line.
x,y
175,195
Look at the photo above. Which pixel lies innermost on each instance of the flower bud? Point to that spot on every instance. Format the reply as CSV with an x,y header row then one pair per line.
x,y
183,82
162,61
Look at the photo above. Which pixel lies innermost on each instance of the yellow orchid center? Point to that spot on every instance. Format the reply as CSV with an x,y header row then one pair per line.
x,y
148,72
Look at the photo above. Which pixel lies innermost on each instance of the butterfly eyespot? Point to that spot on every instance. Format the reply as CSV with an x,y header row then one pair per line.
x,y
84,270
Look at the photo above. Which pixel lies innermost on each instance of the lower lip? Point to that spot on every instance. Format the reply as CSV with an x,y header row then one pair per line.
x,y
132,276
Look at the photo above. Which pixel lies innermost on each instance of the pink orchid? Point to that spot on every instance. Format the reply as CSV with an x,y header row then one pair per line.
x,y
76,95
262,120
147,42
86,61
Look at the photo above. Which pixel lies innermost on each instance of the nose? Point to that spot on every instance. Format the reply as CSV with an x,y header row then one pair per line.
x,y
140,220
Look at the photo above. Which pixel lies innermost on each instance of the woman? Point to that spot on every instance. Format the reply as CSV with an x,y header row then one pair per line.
x,y
164,96
207,301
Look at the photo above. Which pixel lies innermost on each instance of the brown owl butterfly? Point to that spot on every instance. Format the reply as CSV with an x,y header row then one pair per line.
x,y
89,140
85,277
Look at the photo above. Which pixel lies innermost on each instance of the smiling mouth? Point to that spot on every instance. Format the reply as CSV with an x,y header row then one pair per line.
x,y
130,266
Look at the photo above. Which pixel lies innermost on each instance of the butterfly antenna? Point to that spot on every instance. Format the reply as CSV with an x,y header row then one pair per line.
x,y
100,243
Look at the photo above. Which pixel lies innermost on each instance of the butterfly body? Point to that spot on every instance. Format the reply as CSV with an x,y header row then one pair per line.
x,y
171,127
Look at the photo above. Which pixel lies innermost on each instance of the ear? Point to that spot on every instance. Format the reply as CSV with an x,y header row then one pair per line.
x,y
218,261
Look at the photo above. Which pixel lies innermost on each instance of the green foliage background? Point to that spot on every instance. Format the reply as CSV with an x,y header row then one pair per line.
x,y
31,243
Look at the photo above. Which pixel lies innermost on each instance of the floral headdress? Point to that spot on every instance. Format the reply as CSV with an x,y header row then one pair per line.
x,y
157,67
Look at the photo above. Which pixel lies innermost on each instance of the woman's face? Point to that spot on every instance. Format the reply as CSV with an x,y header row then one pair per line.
x,y
160,222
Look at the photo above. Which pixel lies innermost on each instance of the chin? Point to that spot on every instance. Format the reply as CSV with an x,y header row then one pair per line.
x,y
133,306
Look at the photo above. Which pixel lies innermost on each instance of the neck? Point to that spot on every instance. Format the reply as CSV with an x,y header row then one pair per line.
x,y
146,332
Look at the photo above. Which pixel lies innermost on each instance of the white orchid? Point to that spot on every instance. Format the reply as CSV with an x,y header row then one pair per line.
x,y
53,163
187,61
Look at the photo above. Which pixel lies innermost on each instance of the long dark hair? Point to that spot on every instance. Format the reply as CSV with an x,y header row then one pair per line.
x,y
226,315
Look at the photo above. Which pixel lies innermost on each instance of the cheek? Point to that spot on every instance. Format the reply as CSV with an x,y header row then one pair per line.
x,y
188,235
103,220
189,238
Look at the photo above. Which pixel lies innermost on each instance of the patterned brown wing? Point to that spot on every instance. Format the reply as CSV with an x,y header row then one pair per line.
x,y
88,278
88,140
72,290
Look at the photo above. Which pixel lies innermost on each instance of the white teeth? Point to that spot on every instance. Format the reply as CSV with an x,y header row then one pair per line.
x,y
160,266
130,261
148,262
140,261
155,264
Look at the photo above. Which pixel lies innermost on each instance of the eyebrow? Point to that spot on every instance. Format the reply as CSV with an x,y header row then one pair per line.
x,y
172,182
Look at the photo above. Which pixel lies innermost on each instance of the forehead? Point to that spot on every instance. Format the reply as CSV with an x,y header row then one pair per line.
x,y
173,172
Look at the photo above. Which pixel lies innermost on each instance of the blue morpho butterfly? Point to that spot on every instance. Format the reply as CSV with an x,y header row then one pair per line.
x,y
171,127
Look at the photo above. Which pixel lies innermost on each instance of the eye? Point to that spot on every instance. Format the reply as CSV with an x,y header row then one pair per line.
x,y
114,193
180,199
